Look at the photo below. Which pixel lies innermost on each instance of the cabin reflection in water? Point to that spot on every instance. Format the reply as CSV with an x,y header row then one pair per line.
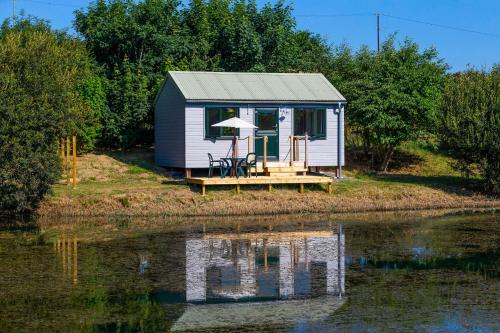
x,y
264,266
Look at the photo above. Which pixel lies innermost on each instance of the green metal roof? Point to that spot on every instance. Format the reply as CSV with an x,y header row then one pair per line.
x,y
258,87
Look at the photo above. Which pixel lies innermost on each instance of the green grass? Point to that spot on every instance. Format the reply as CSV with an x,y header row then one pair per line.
x,y
421,176
136,170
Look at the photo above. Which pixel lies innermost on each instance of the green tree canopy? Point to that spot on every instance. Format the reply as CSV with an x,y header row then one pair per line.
x,y
393,95
470,122
42,72
138,42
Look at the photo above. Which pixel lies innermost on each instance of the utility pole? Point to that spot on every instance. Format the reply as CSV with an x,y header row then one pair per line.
x,y
378,32
13,10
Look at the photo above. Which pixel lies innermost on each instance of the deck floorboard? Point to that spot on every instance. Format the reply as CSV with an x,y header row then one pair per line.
x,y
261,180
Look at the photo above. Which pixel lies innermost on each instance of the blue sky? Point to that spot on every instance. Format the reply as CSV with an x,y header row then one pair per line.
x,y
352,21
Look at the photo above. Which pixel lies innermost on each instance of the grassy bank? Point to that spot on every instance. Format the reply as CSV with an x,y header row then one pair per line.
x,y
128,183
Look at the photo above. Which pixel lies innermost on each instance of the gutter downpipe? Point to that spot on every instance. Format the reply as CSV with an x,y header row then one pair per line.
x,y
339,142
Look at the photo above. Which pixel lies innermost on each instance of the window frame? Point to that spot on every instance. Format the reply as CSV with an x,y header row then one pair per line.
x,y
206,125
315,109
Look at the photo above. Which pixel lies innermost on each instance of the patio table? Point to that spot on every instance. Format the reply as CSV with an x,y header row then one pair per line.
x,y
235,162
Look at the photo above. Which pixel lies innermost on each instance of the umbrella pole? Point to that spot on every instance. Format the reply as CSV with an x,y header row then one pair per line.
x,y
233,173
234,143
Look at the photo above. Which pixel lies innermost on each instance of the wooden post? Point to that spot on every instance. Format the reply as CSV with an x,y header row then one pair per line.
x,y
330,188
74,162
264,163
188,172
238,189
203,189
270,188
68,165
291,150
301,188
306,163
297,149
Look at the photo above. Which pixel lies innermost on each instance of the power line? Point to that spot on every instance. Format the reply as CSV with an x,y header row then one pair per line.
x,y
438,25
442,26
333,15
53,3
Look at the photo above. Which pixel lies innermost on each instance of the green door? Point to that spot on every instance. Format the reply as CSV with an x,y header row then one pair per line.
x,y
266,120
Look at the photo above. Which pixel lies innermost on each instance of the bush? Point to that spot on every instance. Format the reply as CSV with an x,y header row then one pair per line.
x,y
470,123
41,72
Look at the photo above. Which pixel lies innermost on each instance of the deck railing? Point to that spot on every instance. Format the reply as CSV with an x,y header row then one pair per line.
x,y
295,149
254,138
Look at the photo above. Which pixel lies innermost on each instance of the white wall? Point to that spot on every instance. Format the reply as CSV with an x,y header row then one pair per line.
x,y
197,147
321,152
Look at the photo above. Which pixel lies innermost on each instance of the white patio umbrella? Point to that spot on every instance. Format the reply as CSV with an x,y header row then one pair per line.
x,y
235,123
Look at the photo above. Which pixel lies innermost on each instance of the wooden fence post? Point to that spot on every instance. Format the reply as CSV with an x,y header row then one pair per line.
x,y
68,165
291,150
74,162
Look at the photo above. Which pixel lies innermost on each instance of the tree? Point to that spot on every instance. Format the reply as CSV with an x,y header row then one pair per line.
x,y
393,95
470,123
131,41
39,89
137,42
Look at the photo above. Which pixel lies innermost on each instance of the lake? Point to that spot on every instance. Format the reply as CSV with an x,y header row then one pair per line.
x,y
409,271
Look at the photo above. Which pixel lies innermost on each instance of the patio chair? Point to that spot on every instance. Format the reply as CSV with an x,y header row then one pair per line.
x,y
249,163
220,164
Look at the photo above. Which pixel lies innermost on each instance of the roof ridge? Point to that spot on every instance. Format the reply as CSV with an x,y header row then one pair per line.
x,y
247,73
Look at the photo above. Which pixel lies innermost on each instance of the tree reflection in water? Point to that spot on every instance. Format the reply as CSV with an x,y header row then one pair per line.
x,y
399,274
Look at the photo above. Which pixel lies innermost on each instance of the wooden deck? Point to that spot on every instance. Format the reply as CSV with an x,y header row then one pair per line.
x,y
300,180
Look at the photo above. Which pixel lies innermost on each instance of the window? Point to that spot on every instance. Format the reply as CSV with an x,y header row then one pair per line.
x,y
311,121
214,115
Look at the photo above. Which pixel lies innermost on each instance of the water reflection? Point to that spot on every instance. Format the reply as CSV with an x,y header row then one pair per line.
x,y
270,278
66,250
262,276
279,265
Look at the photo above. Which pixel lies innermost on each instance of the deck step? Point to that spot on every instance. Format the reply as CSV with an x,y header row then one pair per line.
x,y
287,169
281,174
281,164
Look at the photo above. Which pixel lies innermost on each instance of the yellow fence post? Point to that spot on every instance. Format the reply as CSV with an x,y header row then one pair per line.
x,y
74,162
68,166
291,150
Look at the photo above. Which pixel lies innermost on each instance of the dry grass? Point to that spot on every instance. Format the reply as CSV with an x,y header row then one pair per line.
x,y
128,183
